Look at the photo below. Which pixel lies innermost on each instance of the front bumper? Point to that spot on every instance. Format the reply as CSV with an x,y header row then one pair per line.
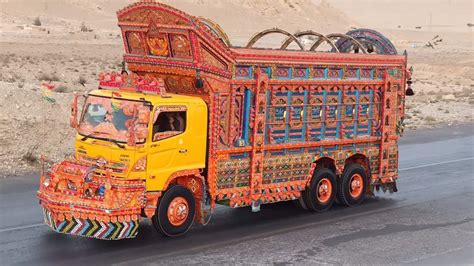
x,y
92,228
79,200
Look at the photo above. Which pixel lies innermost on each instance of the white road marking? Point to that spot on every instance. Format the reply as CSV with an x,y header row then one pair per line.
x,y
21,227
404,169
434,164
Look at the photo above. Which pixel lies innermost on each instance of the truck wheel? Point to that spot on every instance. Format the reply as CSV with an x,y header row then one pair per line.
x,y
175,213
352,186
320,195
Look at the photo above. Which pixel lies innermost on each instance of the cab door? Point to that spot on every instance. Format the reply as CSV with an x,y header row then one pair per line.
x,y
177,144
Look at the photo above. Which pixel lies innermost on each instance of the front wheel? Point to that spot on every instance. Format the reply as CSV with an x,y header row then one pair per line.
x,y
175,213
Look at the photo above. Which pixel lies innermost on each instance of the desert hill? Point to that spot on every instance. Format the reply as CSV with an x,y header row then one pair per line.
x,y
239,18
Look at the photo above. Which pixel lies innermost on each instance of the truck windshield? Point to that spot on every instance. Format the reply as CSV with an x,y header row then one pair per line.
x,y
108,118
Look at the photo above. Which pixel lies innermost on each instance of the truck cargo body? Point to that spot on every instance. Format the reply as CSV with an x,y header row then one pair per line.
x,y
330,107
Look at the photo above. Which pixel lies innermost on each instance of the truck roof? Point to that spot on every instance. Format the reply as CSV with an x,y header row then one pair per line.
x,y
255,55
155,99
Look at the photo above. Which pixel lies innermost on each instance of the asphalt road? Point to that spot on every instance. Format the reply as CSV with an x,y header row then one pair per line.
x,y
429,221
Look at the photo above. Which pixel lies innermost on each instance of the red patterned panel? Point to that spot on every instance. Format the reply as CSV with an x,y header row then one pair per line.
x,y
235,131
223,115
180,46
212,60
242,72
319,73
300,73
351,73
148,16
283,72
135,43
334,73
381,73
366,73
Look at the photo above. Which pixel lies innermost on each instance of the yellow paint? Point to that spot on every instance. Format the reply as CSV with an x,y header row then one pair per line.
x,y
186,151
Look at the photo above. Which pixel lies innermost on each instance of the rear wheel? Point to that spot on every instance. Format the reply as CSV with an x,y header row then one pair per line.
x,y
175,213
320,195
353,185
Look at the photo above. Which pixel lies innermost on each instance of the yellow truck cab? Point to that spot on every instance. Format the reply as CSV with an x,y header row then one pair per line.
x,y
175,139
133,141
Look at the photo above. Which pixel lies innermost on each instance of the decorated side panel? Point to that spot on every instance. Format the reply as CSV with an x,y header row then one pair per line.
x,y
316,113
277,116
358,111
157,42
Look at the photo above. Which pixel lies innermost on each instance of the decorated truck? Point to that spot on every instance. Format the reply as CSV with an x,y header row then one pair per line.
x,y
194,122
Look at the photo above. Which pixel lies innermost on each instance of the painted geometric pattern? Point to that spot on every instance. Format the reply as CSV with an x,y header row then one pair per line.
x,y
287,168
316,72
277,169
233,173
92,228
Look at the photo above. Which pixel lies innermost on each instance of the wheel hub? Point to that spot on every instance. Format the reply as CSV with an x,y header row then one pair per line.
x,y
178,211
356,185
324,190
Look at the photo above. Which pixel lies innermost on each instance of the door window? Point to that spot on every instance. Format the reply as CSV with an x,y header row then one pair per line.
x,y
169,122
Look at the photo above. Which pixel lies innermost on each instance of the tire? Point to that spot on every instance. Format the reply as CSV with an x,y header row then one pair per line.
x,y
352,185
321,193
175,213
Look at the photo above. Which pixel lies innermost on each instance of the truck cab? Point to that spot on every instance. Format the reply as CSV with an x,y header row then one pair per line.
x,y
170,135
132,137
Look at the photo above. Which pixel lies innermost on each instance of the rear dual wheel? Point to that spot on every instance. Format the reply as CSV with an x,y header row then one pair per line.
x,y
321,193
174,215
352,185
349,190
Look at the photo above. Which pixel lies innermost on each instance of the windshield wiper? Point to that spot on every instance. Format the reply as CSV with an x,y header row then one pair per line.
x,y
121,146
111,140
88,136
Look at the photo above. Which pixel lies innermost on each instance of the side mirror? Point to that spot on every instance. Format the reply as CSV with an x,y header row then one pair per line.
x,y
409,91
73,118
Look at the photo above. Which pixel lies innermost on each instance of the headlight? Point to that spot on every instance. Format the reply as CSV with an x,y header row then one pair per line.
x,y
89,193
71,186
46,182
140,165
